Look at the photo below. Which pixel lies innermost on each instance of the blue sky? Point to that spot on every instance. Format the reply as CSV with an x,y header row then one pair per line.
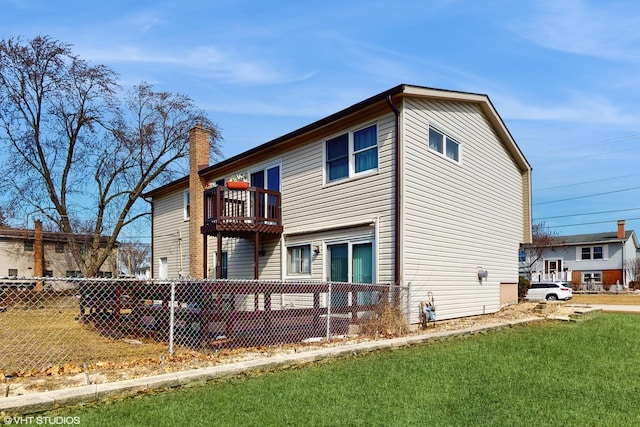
x,y
562,73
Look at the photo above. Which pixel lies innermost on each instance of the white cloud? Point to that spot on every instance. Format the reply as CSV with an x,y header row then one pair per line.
x,y
578,108
205,61
600,29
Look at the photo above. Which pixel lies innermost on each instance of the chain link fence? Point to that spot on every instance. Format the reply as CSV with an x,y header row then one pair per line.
x,y
49,322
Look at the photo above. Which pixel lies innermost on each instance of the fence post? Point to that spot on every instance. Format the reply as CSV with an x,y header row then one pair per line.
x,y
329,313
172,308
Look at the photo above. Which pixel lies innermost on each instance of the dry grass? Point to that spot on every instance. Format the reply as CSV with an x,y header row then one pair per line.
x,y
387,322
49,334
54,334
622,298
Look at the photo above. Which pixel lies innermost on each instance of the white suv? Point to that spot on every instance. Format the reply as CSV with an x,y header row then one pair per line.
x,y
551,291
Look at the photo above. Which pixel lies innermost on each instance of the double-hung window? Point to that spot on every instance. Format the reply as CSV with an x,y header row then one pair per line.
x,y
592,252
444,144
299,259
352,153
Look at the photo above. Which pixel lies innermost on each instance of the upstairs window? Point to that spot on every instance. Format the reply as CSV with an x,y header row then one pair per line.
x,y
597,252
28,245
59,247
444,144
352,153
592,252
338,157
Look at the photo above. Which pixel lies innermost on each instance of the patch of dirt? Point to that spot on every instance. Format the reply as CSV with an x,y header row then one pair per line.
x,y
72,375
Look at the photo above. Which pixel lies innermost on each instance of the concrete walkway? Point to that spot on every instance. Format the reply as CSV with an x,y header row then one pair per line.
x,y
49,400
610,308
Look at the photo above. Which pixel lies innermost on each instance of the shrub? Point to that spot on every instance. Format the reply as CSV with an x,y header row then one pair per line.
x,y
387,322
523,287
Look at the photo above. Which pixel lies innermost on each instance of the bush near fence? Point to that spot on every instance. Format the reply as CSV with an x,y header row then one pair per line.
x,y
54,321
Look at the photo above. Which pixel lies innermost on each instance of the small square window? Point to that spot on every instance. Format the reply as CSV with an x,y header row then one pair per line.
x,y
299,259
444,144
59,247
28,245
13,272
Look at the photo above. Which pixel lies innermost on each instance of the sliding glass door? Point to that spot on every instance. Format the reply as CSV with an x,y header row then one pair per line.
x,y
351,262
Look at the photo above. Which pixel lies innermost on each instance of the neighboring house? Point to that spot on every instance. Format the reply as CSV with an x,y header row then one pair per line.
x,y
37,253
143,272
590,261
414,186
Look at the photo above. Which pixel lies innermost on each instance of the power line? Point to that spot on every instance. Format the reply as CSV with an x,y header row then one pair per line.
x,y
589,145
583,156
588,223
587,213
586,182
566,199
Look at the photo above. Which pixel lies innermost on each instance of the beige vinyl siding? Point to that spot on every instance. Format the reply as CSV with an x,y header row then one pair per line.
x,y
13,256
171,234
308,203
459,216
319,264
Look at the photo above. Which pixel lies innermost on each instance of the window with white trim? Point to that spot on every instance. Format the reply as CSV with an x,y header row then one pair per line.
x,y
592,277
443,144
592,252
351,153
186,204
299,259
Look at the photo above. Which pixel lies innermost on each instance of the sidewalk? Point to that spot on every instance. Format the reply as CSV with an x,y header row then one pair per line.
x,y
49,400
614,308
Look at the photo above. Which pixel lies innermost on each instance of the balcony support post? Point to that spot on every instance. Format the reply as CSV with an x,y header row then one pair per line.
x,y
219,257
205,262
256,256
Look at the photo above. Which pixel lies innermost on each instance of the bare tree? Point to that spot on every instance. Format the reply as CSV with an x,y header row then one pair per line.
x,y
633,272
134,255
3,219
542,238
80,151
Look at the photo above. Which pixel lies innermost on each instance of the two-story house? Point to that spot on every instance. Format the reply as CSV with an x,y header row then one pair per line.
x,y
593,261
26,253
414,186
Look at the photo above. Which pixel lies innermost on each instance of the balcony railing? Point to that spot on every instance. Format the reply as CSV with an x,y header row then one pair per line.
x,y
241,212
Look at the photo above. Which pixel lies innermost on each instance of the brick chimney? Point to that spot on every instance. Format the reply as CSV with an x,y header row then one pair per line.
x,y
198,159
621,233
38,253
38,250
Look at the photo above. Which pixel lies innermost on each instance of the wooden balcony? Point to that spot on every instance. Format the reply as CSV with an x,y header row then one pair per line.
x,y
241,213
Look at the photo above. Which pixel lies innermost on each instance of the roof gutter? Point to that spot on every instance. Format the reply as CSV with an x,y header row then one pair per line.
x,y
397,194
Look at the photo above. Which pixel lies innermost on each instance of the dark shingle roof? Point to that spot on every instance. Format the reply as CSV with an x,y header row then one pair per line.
x,y
579,239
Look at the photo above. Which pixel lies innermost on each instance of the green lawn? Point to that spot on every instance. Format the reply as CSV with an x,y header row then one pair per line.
x,y
547,374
